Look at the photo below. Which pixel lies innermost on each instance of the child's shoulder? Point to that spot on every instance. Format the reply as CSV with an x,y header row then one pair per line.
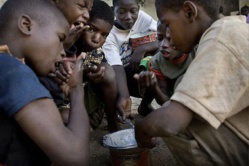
x,y
10,65
8,61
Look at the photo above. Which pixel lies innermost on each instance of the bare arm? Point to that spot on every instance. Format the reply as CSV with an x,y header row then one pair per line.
x,y
159,88
124,100
161,92
74,34
42,122
163,122
141,52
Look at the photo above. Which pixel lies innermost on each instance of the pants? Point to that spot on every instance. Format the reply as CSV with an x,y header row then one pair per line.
x,y
202,145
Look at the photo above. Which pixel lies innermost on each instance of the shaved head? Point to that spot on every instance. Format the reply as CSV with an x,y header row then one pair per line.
x,y
41,11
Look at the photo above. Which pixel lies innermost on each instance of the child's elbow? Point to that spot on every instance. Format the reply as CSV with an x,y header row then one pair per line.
x,y
75,160
73,155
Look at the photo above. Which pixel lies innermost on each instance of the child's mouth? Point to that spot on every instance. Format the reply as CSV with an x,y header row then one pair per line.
x,y
79,23
166,54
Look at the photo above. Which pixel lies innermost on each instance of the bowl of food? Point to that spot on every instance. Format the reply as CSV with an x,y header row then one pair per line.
x,y
124,150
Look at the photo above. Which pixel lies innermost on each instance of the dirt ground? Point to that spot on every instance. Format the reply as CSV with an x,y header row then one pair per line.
x,y
100,156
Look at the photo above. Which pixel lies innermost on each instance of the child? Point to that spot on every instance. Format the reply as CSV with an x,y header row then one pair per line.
x,y
221,15
77,14
129,21
206,121
245,11
76,11
105,87
32,131
168,66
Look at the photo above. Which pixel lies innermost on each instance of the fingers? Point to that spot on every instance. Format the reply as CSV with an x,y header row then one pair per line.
x,y
120,118
147,143
86,27
96,74
60,78
134,66
77,73
130,116
63,72
142,137
136,76
78,28
146,78
124,109
79,61
121,115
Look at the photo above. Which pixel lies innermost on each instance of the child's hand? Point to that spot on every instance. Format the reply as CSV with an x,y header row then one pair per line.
x,y
95,73
143,139
136,57
124,108
63,72
146,79
74,34
75,79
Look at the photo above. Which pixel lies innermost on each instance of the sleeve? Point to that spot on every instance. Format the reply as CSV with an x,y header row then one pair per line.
x,y
18,86
215,85
111,51
145,22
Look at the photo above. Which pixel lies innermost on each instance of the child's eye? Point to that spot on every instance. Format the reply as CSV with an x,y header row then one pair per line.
x,y
134,11
81,6
90,30
165,24
62,38
121,12
104,35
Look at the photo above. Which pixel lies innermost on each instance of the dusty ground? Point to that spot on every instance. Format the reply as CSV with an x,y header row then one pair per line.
x,y
159,155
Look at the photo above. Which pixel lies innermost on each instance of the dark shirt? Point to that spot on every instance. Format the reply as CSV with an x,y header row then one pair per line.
x,y
19,86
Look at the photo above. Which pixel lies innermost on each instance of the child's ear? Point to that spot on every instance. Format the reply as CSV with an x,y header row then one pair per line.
x,y
25,24
190,10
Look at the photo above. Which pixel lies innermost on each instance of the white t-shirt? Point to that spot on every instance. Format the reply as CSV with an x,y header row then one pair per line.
x,y
117,48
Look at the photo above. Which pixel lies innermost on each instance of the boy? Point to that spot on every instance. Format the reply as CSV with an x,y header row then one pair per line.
x,y
104,86
168,66
77,14
221,15
118,51
245,11
32,131
206,121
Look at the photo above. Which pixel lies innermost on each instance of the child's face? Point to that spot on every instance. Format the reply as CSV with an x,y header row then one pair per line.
x,y
46,46
181,29
166,43
126,13
244,11
76,11
95,37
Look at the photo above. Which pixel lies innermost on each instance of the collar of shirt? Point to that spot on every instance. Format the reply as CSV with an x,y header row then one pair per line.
x,y
5,49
